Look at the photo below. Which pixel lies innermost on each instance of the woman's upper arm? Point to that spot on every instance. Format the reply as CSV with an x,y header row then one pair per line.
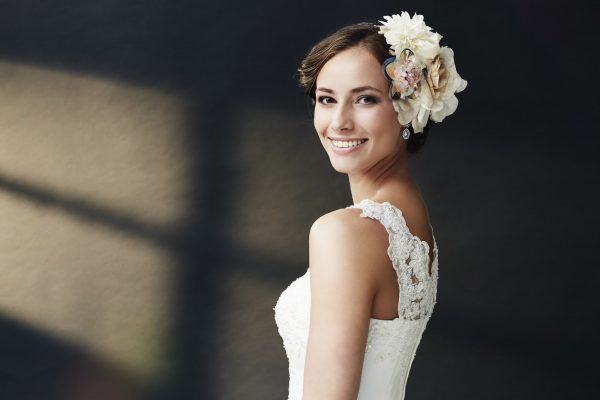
x,y
342,292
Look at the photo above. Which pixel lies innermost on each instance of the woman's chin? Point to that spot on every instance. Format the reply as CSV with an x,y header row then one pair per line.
x,y
343,168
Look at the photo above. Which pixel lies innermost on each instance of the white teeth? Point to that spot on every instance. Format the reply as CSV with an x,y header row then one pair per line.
x,y
347,143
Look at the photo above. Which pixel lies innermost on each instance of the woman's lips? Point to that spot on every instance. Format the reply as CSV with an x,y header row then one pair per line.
x,y
346,150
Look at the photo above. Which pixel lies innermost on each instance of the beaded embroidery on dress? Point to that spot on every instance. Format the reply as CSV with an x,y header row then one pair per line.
x,y
391,344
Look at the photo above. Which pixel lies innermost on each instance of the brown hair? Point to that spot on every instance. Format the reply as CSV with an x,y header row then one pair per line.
x,y
361,34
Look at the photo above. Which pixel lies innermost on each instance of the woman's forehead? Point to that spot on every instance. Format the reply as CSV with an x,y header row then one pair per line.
x,y
350,68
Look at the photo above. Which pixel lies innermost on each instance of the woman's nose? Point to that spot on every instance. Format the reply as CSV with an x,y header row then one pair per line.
x,y
342,118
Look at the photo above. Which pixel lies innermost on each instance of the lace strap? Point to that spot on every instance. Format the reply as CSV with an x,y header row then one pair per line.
x,y
410,259
392,219
390,216
395,225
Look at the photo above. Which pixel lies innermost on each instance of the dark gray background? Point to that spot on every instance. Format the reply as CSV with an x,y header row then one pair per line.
x,y
510,180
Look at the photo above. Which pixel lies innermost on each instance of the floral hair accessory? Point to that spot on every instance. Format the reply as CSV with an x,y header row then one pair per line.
x,y
404,73
423,77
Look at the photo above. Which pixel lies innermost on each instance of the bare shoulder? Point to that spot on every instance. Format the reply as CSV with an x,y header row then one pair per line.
x,y
343,239
342,221
346,228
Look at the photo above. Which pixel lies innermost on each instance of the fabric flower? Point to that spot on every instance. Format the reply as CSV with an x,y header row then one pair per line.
x,y
403,32
437,76
407,110
425,104
423,76
404,72
443,81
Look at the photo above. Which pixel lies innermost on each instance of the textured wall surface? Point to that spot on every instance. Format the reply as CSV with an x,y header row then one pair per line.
x,y
94,173
159,173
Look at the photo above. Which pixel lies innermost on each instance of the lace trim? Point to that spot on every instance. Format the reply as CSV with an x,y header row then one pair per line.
x,y
410,259
392,339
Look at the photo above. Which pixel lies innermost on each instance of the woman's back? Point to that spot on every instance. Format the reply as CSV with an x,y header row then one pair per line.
x,y
391,343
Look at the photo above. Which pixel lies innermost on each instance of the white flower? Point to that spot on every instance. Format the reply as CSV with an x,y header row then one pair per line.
x,y
415,109
402,31
444,102
424,109
407,109
432,97
431,100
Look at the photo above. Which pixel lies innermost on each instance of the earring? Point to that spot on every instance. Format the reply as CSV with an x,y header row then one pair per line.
x,y
406,133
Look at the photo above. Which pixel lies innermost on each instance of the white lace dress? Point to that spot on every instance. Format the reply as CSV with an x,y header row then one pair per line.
x,y
391,344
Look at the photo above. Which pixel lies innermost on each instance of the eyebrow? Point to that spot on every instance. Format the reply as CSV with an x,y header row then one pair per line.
x,y
355,90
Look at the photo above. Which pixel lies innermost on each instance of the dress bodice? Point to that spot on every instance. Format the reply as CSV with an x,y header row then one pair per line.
x,y
391,344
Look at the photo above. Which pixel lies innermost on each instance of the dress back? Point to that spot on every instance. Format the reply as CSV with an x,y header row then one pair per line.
x,y
391,344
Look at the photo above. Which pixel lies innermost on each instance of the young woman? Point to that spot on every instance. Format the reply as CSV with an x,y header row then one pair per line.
x,y
351,325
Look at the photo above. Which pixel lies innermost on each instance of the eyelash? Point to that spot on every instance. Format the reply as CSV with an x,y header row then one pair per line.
x,y
372,100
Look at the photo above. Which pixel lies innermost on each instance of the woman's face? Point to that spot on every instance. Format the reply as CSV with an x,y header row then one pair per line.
x,y
354,117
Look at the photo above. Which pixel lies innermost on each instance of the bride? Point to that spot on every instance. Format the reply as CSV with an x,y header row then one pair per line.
x,y
352,323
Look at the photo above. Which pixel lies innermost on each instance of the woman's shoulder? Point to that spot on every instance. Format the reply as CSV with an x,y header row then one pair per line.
x,y
343,233
345,223
347,249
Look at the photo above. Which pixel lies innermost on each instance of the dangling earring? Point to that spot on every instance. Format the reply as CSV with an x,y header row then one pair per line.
x,y
406,133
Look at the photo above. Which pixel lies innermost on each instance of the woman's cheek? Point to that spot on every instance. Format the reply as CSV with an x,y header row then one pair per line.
x,y
320,123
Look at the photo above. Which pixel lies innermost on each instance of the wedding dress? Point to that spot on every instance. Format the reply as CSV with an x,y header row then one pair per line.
x,y
391,344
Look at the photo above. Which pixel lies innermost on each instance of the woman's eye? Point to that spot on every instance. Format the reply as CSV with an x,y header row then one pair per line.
x,y
362,100
325,100
367,99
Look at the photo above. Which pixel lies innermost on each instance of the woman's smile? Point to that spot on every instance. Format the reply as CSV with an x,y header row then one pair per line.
x,y
346,146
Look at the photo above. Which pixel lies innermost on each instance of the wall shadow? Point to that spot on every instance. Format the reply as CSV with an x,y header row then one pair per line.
x,y
223,62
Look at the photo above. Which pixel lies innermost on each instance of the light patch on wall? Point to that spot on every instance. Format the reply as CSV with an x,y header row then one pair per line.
x,y
92,174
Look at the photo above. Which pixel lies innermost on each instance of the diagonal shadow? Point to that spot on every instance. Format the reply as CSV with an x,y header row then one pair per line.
x,y
87,210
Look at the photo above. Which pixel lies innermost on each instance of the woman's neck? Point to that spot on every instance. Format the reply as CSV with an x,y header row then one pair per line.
x,y
381,181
